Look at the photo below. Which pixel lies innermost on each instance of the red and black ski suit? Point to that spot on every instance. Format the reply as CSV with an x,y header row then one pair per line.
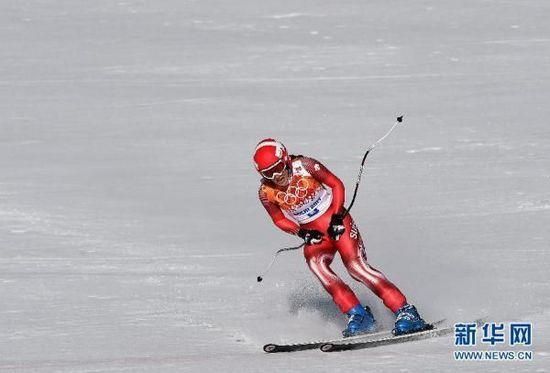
x,y
313,195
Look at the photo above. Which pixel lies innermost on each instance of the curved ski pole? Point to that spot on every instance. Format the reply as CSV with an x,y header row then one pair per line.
x,y
260,277
369,149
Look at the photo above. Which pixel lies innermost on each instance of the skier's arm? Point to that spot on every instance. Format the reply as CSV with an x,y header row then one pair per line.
x,y
322,174
277,215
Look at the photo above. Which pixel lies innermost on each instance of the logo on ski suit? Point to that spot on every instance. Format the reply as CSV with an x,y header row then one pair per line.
x,y
305,198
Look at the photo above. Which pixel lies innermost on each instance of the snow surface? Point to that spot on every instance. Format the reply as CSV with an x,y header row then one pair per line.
x,y
130,231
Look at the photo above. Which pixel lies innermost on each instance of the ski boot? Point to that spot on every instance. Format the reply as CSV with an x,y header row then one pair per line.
x,y
409,321
360,321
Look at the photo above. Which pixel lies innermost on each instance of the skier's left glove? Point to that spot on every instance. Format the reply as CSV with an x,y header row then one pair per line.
x,y
336,227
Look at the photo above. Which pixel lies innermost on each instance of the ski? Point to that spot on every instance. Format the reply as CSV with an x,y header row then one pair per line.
x,y
301,346
431,332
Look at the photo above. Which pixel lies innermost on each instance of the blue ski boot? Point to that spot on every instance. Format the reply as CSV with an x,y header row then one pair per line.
x,y
409,321
360,321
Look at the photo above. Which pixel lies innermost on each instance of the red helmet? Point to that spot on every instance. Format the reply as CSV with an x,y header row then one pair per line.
x,y
271,158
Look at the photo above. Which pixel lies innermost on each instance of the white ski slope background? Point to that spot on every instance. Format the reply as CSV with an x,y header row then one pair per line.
x,y
130,231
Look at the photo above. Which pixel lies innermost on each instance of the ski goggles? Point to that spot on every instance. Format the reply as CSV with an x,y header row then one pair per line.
x,y
273,171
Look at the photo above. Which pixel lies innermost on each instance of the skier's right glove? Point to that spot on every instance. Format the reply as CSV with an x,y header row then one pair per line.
x,y
311,236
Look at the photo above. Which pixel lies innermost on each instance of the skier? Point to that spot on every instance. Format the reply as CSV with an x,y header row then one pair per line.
x,y
304,198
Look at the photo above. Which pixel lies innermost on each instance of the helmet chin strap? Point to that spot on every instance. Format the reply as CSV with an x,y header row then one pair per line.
x,y
288,177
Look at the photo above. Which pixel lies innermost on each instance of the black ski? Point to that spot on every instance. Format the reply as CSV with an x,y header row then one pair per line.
x,y
301,346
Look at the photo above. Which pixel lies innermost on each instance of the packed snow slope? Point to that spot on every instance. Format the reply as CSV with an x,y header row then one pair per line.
x,y
130,231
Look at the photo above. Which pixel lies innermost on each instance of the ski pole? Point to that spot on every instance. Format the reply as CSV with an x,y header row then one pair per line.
x,y
369,149
260,277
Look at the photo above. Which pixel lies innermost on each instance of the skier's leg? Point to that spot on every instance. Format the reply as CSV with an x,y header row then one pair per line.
x,y
318,258
353,255
352,250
